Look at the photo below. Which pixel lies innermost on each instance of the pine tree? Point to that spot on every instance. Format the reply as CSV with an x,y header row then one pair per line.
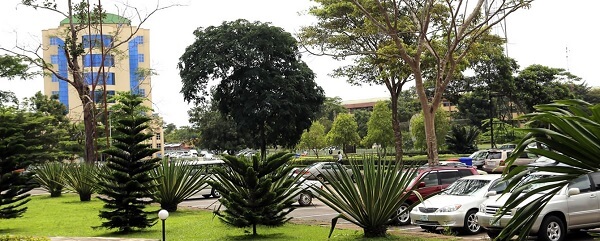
x,y
125,189
14,184
255,192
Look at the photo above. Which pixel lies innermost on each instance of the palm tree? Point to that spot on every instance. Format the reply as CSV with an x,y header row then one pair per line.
x,y
571,133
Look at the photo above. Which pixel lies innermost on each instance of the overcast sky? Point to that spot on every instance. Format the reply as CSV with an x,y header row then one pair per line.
x,y
554,33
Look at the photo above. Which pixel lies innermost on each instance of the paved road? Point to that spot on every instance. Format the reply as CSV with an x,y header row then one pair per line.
x,y
321,214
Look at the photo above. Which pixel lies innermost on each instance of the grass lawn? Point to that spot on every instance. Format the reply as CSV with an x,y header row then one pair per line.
x,y
66,216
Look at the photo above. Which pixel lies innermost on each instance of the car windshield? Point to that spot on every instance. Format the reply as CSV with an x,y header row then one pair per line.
x,y
495,155
465,187
533,177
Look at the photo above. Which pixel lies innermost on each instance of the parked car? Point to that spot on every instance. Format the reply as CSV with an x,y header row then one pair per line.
x,y
496,158
456,206
576,206
508,146
319,170
206,167
478,158
430,180
307,191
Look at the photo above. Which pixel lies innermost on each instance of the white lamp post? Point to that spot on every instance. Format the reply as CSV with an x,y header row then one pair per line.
x,y
163,215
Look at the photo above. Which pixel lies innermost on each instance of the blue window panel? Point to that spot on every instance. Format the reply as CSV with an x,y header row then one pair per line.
x,y
54,40
99,93
141,92
141,58
93,60
139,40
54,78
96,39
90,78
54,59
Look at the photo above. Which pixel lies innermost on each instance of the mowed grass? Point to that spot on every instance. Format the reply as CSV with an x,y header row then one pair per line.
x,y
66,216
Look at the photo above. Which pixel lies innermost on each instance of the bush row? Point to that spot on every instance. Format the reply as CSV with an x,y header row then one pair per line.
x,y
22,238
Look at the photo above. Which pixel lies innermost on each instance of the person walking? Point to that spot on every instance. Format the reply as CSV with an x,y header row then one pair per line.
x,y
339,157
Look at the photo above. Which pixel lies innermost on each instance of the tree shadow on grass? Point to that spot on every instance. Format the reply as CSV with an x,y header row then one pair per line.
x,y
275,236
10,230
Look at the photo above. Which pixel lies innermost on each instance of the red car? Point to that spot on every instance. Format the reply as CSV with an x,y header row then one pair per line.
x,y
431,180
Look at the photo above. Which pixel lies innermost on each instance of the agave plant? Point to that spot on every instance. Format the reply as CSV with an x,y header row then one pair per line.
x,y
49,176
571,134
373,200
175,183
462,139
81,178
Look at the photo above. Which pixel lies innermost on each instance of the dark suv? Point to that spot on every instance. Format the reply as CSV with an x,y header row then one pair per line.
x,y
431,180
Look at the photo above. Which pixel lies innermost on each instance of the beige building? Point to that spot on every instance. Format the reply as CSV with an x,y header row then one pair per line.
x,y
122,70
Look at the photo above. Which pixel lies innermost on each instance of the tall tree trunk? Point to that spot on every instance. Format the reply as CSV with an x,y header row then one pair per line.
x,y
396,128
90,128
430,137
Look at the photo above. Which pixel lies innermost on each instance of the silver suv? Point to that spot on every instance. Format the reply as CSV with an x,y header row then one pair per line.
x,y
575,206
496,158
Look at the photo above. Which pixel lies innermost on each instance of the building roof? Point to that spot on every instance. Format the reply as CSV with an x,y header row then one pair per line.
x,y
362,103
109,18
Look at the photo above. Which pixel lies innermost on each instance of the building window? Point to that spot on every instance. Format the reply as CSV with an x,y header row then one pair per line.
x,y
140,92
54,40
54,78
158,145
54,59
157,136
95,40
139,40
98,96
56,93
94,60
140,58
90,78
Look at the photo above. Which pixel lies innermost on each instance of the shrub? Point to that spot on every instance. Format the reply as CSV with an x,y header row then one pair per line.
x,y
22,238
49,176
175,182
81,178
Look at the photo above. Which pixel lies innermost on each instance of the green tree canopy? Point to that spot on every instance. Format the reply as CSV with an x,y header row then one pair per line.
x,y
314,138
379,126
344,131
264,86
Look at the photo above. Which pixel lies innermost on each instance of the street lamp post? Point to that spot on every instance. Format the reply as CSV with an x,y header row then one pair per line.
x,y
163,215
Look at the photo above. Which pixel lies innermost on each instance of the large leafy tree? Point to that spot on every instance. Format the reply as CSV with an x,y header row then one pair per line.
x,y
343,132
126,188
314,138
80,16
332,106
255,192
538,84
264,86
341,31
217,131
13,66
435,39
570,132
379,127
362,121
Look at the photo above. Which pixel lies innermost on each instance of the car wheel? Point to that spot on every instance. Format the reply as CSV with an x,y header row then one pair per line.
x,y
206,195
471,224
321,178
305,199
430,229
215,193
403,219
492,233
552,229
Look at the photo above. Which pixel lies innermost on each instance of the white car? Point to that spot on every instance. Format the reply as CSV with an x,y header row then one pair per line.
x,y
456,206
307,192
576,206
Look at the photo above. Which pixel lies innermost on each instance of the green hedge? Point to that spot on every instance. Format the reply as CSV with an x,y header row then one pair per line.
x,y
22,238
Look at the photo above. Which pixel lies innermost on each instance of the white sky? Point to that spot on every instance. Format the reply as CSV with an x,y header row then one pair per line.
x,y
540,35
